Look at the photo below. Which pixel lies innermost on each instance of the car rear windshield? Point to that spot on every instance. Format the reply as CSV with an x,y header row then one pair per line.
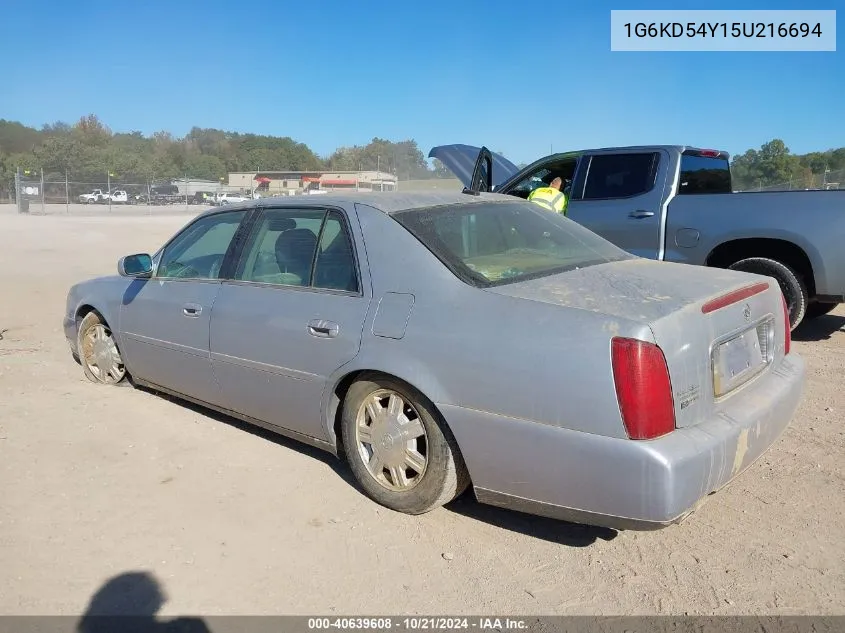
x,y
495,243
704,174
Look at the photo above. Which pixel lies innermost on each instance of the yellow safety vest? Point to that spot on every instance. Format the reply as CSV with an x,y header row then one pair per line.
x,y
550,198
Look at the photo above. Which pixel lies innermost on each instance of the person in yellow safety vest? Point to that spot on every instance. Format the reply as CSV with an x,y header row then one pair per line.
x,y
551,197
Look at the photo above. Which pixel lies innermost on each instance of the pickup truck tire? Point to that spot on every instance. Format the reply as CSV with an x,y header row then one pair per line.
x,y
819,309
791,284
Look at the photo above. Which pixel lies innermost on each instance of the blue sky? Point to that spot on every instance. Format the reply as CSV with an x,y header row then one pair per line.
x,y
518,77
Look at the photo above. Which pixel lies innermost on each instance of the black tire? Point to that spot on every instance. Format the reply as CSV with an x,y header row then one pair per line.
x,y
91,321
445,475
818,309
792,286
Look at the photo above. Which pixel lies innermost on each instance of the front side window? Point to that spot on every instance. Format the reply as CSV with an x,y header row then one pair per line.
x,y
494,243
537,179
620,175
294,247
198,252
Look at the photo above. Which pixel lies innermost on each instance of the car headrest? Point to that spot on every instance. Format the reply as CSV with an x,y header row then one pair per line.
x,y
281,224
296,245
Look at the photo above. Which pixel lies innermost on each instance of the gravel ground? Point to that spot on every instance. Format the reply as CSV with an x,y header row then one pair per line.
x,y
99,482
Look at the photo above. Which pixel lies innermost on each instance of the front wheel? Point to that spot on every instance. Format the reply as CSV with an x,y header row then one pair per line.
x,y
791,284
399,448
97,350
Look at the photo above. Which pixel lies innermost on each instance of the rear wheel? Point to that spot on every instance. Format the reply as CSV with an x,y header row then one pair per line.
x,y
791,284
399,448
818,309
97,350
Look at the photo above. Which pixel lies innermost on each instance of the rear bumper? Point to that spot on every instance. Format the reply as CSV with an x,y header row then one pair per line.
x,y
618,483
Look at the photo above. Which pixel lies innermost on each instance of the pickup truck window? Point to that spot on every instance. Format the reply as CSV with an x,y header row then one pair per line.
x,y
704,174
620,175
489,244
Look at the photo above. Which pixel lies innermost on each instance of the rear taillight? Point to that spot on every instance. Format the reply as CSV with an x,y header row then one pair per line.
x,y
643,388
787,339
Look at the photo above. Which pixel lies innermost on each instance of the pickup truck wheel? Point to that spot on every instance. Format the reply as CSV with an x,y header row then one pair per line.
x,y
818,309
399,448
793,287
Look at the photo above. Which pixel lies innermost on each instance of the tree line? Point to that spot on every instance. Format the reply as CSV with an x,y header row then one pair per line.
x,y
87,150
774,165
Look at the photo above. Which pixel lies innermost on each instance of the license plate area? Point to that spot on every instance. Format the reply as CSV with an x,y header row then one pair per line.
x,y
741,357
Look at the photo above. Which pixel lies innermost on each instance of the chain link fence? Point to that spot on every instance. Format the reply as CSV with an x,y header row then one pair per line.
x,y
54,193
34,191
827,180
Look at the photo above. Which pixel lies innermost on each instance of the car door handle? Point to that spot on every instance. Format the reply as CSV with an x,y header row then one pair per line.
x,y
324,329
639,213
191,310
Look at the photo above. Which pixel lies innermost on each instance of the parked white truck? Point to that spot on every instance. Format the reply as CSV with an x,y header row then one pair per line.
x,y
676,203
118,196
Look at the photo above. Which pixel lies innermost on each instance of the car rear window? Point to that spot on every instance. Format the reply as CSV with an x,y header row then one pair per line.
x,y
704,174
495,243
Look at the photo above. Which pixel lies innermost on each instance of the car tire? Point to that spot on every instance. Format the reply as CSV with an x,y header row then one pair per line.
x,y
818,309
791,284
389,438
98,352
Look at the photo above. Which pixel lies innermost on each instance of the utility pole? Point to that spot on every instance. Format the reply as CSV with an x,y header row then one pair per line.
x,y
67,194
108,188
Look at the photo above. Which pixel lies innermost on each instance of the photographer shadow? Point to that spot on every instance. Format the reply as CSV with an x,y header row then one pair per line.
x,y
128,603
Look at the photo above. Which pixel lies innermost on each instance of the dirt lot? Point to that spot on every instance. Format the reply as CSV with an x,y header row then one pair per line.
x,y
96,482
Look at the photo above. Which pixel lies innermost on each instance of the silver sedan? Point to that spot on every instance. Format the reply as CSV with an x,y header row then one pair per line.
x,y
441,341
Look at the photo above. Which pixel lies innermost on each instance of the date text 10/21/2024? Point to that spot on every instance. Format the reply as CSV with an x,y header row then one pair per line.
x,y
419,623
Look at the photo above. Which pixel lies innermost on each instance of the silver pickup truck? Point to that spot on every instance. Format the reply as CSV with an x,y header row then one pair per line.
x,y
676,203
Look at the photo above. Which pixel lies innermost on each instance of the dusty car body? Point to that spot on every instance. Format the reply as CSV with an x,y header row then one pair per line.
x,y
447,340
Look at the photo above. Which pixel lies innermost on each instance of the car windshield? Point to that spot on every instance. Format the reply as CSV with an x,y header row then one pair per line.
x,y
495,243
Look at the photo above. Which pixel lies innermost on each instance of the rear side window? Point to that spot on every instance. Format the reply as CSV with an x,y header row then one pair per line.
x,y
300,247
620,175
494,243
704,174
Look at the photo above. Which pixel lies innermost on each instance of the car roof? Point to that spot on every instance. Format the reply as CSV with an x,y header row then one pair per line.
x,y
388,202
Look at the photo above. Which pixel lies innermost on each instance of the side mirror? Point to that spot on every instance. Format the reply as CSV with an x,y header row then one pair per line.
x,y
140,265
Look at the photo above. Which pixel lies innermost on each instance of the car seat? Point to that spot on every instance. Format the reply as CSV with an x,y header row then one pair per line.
x,y
295,253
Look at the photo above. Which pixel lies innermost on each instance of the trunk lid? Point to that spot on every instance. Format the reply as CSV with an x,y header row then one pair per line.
x,y
682,306
461,159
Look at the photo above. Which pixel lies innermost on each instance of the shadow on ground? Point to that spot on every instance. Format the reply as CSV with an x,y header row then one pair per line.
x,y
337,465
819,329
552,530
129,603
